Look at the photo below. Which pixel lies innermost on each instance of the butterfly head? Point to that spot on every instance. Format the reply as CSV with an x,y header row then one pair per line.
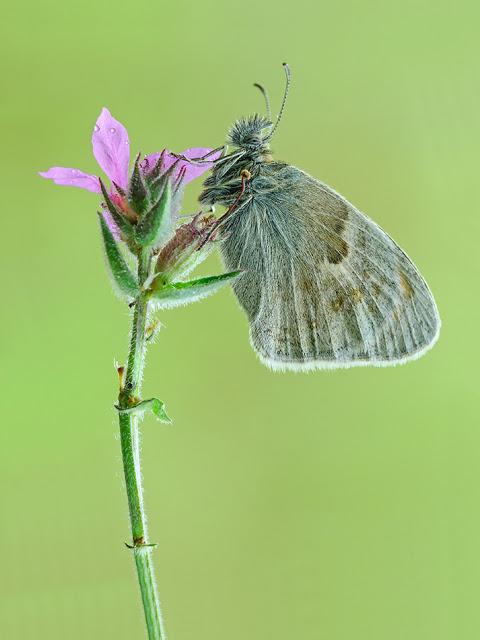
x,y
251,134
251,137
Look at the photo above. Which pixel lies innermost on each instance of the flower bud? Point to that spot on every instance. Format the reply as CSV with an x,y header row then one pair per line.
x,y
190,245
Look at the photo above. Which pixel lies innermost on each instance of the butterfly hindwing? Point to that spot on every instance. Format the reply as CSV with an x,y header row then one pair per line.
x,y
324,286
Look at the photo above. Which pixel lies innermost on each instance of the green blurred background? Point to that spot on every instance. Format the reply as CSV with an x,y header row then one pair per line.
x,y
328,506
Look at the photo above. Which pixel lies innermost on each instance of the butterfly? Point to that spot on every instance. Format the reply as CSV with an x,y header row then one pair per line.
x,y
323,285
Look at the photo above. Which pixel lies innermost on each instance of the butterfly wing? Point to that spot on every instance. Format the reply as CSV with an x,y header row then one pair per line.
x,y
324,286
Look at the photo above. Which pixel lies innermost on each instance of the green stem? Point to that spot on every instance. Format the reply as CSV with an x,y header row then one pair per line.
x,y
129,392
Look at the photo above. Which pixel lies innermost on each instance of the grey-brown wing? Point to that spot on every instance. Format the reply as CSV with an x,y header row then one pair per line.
x,y
324,286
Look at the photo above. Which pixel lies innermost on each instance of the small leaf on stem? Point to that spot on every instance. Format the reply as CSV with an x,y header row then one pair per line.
x,y
179,293
156,406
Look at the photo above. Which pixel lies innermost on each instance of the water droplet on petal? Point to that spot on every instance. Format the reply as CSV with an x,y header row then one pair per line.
x,y
96,128
112,130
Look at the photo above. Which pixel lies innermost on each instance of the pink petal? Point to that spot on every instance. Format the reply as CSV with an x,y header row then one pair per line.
x,y
72,178
192,170
111,147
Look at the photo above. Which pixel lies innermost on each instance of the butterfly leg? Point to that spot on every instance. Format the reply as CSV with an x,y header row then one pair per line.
x,y
245,176
204,159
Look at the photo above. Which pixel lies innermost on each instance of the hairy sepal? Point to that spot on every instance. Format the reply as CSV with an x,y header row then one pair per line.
x,y
125,227
123,279
138,194
156,224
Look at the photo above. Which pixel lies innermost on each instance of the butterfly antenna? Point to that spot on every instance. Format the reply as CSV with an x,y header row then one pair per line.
x,y
266,98
284,101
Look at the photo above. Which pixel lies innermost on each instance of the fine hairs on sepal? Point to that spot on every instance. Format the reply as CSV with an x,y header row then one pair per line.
x,y
121,221
155,225
138,191
124,282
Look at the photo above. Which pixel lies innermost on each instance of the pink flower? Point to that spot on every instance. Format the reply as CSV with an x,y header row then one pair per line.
x,y
111,149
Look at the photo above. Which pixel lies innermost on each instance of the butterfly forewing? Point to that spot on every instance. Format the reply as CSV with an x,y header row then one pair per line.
x,y
324,286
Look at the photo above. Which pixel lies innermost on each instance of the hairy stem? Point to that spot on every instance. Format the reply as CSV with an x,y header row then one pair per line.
x,y
129,394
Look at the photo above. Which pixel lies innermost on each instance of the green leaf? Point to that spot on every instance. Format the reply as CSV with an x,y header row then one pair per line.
x,y
155,225
120,220
137,189
119,269
156,406
158,409
178,293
